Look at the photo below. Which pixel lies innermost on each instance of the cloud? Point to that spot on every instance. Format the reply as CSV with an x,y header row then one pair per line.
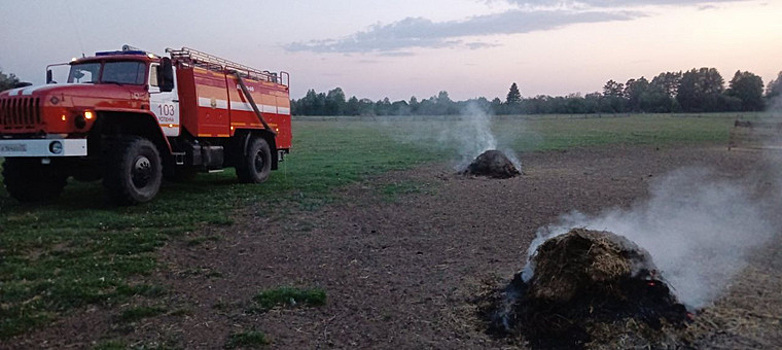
x,y
417,32
528,16
397,54
614,3
480,45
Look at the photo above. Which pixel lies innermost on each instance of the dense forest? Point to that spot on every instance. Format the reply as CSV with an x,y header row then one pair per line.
x,y
693,91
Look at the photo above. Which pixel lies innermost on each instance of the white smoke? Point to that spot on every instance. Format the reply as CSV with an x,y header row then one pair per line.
x,y
698,229
476,136
467,135
472,135
774,105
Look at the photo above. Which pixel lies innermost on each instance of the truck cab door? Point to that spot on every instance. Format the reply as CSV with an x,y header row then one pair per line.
x,y
164,104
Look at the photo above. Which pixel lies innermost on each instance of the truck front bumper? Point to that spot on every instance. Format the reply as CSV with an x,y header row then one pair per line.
x,y
43,148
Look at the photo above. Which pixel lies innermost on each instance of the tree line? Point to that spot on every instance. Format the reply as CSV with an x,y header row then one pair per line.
x,y
693,91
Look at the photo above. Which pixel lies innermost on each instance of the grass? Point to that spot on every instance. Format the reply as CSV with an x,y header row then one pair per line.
x,y
249,339
201,240
393,191
140,312
555,133
289,296
77,251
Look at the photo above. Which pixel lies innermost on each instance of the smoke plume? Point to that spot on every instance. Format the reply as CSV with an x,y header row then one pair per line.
x,y
473,135
698,229
466,135
774,105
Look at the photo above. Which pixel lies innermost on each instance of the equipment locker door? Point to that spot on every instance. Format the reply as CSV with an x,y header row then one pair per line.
x,y
165,105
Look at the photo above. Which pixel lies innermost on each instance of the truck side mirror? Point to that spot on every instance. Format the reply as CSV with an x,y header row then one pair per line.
x,y
49,78
165,75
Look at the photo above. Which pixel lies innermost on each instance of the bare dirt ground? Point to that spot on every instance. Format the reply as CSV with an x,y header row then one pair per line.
x,y
401,271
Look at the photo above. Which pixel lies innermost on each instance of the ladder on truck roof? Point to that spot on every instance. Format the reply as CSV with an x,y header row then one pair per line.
x,y
207,61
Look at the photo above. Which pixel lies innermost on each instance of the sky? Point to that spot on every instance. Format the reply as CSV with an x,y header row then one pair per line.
x,y
399,49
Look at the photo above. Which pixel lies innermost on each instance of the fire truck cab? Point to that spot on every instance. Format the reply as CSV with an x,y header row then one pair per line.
x,y
130,118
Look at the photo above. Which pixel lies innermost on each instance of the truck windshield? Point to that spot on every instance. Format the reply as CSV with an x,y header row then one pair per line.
x,y
132,72
84,73
120,72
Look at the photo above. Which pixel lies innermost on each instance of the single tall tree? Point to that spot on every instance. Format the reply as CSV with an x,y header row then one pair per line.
x,y
514,95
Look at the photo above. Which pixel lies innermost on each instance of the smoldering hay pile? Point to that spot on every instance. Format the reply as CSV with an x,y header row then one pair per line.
x,y
493,164
589,287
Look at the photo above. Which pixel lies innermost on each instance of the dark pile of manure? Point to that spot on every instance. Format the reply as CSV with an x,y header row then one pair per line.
x,y
493,164
589,288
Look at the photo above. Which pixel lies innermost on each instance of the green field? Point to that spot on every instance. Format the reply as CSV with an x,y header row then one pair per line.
x,y
78,250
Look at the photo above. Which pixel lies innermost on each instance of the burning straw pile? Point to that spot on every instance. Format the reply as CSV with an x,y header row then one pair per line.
x,y
494,164
589,288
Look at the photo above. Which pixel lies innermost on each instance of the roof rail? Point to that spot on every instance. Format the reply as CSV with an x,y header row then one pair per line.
x,y
193,57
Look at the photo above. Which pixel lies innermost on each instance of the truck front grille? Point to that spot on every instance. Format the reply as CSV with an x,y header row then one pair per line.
x,y
20,113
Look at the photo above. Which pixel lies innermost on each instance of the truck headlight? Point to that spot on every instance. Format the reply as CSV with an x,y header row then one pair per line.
x,y
81,120
55,147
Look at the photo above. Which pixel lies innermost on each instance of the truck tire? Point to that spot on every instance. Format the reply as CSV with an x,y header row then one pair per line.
x,y
27,180
256,164
133,170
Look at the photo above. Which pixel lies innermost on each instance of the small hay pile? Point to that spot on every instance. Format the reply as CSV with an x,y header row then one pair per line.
x,y
590,288
492,163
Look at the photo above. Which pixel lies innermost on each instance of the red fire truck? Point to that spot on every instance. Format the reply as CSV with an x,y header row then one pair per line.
x,y
131,117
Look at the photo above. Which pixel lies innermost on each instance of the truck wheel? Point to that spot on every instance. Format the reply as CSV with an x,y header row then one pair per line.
x,y
133,171
27,180
256,164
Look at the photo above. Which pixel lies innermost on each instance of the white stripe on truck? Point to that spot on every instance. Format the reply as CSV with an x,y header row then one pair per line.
x,y
241,106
